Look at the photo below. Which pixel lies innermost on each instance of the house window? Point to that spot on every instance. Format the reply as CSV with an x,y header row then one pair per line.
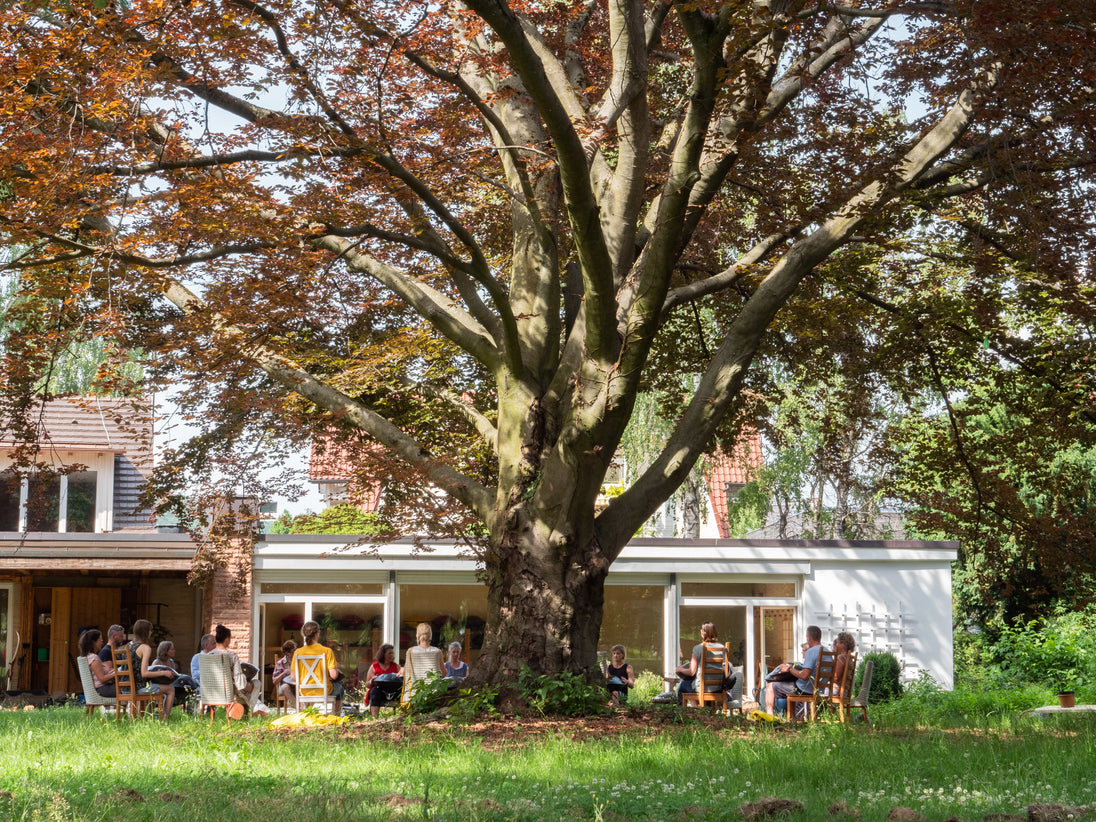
x,y
11,485
633,617
63,504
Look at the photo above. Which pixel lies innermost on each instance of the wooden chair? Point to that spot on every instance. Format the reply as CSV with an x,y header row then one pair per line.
x,y
861,699
125,686
841,694
216,687
311,673
823,681
714,666
92,698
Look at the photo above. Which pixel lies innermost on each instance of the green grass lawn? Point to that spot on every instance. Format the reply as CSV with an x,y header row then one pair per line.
x,y
56,764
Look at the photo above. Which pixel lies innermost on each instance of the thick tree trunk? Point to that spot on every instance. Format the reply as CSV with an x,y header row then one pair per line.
x,y
544,605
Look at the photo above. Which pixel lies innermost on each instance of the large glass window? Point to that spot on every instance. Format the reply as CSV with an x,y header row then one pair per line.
x,y
80,509
353,630
44,504
454,612
730,625
54,503
633,617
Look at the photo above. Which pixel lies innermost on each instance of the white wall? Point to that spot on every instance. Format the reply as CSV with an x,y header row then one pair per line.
x,y
901,608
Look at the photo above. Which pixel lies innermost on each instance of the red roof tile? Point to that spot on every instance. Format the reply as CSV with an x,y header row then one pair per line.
x,y
736,468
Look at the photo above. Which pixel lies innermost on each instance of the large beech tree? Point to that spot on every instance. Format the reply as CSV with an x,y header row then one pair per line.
x,y
466,229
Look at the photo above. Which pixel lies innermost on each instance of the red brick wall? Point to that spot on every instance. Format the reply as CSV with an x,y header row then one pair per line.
x,y
228,597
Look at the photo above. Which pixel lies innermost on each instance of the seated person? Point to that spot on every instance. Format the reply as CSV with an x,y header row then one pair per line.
x,y
247,689
206,646
284,683
455,669
802,681
843,645
384,680
619,676
165,661
102,673
422,659
145,677
312,647
687,673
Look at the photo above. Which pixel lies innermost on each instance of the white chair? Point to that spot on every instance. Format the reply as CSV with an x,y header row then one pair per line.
x,y
91,696
216,688
311,673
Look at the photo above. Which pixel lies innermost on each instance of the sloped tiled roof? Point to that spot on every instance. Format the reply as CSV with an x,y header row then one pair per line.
x,y
736,468
100,423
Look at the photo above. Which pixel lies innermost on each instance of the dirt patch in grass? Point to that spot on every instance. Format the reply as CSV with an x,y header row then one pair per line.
x,y
508,732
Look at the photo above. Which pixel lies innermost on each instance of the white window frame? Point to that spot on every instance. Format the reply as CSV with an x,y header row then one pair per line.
x,y
102,463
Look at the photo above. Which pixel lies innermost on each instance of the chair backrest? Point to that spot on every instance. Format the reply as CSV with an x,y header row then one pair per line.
x,y
843,691
823,674
91,696
215,683
861,700
311,672
125,683
714,662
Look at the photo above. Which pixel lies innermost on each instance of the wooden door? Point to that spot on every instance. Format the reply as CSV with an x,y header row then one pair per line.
x,y
74,610
59,641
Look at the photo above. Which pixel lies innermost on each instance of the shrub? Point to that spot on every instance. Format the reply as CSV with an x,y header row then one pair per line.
x,y
648,686
471,704
1058,652
562,694
885,678
428,694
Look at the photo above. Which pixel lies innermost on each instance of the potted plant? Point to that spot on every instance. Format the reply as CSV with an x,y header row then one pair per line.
x,y
1066,699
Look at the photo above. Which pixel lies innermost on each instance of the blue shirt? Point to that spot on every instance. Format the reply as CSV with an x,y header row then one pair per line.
x,y
194,666
810,661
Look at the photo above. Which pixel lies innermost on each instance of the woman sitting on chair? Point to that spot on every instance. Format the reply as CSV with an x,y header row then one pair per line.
x,y
687,673
421,660
383,680
144,658
102,675
843,645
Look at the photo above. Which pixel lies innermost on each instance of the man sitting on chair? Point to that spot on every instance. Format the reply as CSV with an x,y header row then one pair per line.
x,y
312,647
803,683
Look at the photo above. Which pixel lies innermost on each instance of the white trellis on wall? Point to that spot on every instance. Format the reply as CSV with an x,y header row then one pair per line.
x,y
877,628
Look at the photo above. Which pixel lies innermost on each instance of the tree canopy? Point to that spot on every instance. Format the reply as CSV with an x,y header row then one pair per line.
x,y
475,231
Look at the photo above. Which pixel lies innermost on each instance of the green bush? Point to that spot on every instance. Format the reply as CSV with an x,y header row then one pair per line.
x,y
472,704
338,519
924,703
428,694
885,678
648,686
562,694
1058,652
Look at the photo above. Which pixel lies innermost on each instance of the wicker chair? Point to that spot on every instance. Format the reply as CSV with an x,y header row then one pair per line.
x,y
92,698
216,687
